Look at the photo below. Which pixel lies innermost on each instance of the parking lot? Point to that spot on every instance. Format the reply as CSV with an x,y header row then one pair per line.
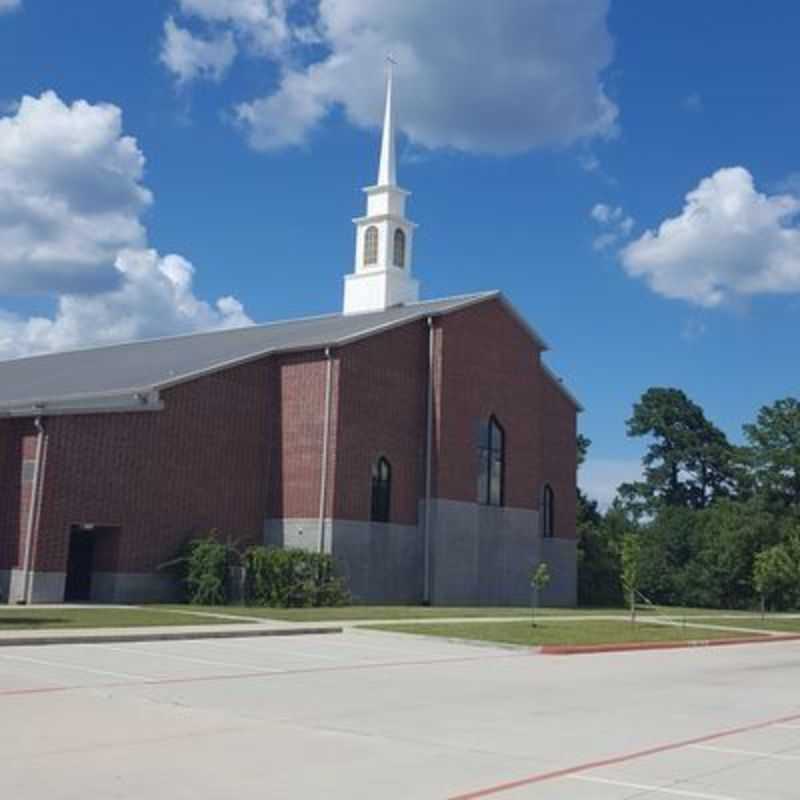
x,y
377,715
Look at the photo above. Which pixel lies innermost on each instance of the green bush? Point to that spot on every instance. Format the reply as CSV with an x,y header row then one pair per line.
x,y
291,578
206,571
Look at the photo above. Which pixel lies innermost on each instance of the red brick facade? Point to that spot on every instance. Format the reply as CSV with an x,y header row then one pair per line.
x,y
158,476
235,447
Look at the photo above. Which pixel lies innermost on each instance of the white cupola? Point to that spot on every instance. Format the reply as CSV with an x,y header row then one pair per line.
x,y
382,277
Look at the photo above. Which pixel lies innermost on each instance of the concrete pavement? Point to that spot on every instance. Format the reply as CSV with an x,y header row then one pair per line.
x,y
376,715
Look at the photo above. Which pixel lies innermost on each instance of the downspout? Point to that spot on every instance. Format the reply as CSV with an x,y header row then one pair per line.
x,y
426,591
27,566
323,484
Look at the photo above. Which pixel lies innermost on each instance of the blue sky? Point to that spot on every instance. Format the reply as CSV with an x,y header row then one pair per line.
x,y
542,142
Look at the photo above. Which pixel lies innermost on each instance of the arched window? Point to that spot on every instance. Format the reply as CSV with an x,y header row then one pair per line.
x,y
381,490
548,511
491,463
371,245
399,248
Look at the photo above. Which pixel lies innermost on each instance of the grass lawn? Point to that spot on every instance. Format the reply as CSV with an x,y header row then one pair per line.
x,y
359,612
780,624
553,631
399,612
22,619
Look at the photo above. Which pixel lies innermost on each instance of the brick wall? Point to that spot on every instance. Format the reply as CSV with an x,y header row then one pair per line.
x,y
559,455
383,390
159,476
490,365
297,402
17,456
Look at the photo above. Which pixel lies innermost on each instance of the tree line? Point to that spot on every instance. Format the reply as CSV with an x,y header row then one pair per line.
x,y
713,524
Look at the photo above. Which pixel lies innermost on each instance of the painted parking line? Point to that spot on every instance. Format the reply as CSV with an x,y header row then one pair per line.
x,y
142,680
735,751
63,665
643,787
567,772
188,659
263,651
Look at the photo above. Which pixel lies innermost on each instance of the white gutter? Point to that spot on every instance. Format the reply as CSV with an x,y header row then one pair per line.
x,y
27,567
426,591
323,487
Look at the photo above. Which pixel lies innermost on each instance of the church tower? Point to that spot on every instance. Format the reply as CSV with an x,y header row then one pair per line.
x,y
382,277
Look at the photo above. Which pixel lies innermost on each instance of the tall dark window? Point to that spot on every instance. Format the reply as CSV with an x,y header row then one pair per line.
x,y
548,511
491,463
381,490
399,259
371,245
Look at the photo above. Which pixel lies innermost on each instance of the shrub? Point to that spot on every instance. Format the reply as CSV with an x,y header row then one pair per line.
x,y
291,578
206,563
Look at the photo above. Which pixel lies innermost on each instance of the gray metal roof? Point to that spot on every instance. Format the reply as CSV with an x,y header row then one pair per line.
x,y
117,376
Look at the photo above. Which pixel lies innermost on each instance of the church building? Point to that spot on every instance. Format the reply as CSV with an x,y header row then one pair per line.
x,y
423,443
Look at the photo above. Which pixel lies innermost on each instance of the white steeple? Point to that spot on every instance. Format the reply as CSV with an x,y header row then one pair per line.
x,y
387,171
381,277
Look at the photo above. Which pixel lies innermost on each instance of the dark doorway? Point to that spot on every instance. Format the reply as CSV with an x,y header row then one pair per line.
x,y
80,564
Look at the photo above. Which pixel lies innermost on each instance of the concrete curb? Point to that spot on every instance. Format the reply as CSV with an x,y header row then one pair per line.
x,y
577,649
86,637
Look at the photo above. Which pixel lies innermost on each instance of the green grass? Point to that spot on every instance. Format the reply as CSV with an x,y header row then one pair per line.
x,y
24,619
364,612
406,612
554,632
756,623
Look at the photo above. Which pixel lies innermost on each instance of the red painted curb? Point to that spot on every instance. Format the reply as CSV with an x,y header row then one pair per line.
x,y
578,649
621,759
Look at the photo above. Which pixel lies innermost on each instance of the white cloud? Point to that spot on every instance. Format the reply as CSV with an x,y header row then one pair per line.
x,y
263,25
155,298
619,225
9,5
189,56
729,241
496,78
70,204
70,195
599,478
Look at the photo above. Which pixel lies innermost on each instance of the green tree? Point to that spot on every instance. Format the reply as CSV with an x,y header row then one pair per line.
x,y
689,462
774,453
631,565
540,579
775,577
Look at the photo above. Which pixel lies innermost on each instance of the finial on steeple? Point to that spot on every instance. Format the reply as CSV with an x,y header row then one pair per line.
x,y
387,172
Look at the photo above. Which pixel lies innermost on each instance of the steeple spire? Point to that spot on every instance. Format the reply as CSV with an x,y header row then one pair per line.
x,y
381,276
387,172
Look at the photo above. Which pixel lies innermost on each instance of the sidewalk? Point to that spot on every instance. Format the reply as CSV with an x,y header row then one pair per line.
x,y
155,633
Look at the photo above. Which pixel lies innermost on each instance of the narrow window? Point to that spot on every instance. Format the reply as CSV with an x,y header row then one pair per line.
x,y
371,245
548,511
399,248
381,490
491,463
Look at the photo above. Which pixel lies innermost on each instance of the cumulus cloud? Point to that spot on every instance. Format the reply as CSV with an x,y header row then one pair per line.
x,y
618,225
189,56
262,25
155,298
70,195
9,5
601,477
729,241
70,203
480,77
